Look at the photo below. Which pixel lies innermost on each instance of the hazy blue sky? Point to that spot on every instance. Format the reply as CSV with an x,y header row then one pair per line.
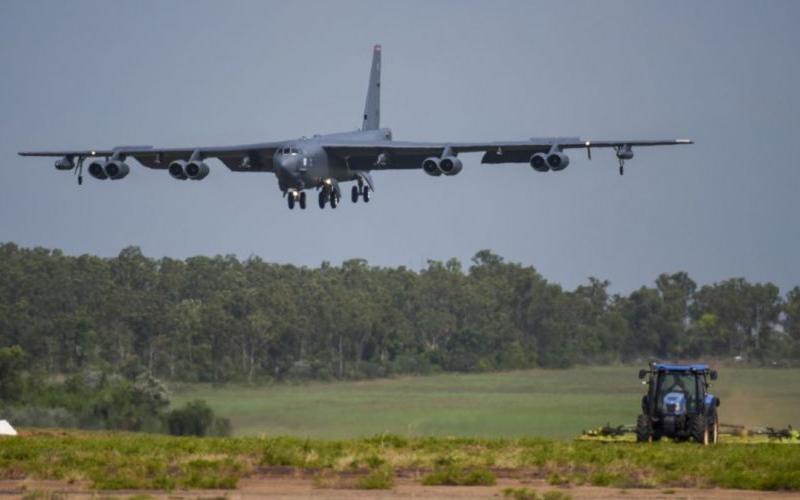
x,y
180,73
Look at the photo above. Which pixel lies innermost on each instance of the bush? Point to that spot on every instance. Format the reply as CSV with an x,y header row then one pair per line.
x,y
194,419
378,479
456,476
36,416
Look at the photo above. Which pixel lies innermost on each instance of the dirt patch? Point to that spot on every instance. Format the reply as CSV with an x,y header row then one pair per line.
x,y
293,487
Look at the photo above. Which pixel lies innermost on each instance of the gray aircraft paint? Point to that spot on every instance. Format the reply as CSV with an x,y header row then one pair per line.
x,y
321,162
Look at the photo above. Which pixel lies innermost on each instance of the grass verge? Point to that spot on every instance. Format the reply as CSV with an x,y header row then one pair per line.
x,y
113,461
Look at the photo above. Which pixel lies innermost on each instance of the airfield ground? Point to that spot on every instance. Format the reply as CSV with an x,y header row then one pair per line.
x,y
544,403
308,439
112,461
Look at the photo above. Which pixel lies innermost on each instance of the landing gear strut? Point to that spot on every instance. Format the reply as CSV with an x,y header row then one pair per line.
x,y
79,170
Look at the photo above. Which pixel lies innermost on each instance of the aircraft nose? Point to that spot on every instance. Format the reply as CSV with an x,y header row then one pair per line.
x,y
287,164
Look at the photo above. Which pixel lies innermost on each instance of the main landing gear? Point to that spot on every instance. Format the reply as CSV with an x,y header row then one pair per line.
x,y
328,195
298,197
360,191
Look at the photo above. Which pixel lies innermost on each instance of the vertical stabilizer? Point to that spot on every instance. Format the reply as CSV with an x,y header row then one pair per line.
x,y
372,108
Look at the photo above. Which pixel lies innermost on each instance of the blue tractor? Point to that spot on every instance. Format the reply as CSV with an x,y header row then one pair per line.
x,y
677,404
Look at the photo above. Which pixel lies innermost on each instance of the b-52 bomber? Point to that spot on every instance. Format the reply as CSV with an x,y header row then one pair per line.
x,y
323,162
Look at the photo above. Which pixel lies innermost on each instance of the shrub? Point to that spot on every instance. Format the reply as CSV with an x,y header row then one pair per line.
x,y
457,476
378,479
194,419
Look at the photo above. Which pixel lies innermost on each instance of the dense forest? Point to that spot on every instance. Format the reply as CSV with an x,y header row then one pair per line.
x,y
220,319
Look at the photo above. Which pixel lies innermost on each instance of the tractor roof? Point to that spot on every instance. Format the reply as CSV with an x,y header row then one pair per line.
x,y
680,368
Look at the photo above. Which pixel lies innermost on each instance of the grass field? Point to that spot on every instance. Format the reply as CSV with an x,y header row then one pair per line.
x,y
545,403
116,460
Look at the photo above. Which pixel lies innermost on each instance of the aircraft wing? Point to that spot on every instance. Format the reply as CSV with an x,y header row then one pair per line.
x,y
243,158
408,155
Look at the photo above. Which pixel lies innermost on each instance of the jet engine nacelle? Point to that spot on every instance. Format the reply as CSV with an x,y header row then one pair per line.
x,y
177,169
65,163
116,169
450,165
196,170
539,162
431,166
97,170
557,161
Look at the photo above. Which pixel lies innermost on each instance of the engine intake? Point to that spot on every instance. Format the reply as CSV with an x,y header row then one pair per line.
x,y
539,162
177,169
450,165
431,166
116,169
557,161
97,170
196,170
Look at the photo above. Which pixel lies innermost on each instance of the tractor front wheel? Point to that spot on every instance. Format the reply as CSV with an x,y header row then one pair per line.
x,y
714,429
644,430
698,428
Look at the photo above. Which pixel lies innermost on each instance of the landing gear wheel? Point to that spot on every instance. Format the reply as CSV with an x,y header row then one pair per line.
x,y
323,199
303,200
291,201
699,430
644,430
354,194
365,194
334,200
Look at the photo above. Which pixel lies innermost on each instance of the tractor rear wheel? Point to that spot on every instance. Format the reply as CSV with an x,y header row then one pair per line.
x,y
698,429
644,430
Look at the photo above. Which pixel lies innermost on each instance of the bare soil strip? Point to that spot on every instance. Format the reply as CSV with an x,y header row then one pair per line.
x,y
301,487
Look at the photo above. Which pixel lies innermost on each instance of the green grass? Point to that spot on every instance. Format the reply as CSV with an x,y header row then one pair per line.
x,y
453,475
117,461
548,403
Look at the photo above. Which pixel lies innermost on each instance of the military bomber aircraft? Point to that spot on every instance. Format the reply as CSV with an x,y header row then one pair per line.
x,y
322,162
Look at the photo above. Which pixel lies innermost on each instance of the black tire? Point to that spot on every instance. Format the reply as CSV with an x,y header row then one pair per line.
x,y
291,201
323,199
366,194
302,200
334,200
644,429
354,194
713,431
698,429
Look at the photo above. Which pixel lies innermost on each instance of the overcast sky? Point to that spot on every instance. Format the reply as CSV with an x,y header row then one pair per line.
x,y
183,73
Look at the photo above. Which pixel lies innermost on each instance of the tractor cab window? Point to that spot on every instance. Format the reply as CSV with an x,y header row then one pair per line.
x,y
677,382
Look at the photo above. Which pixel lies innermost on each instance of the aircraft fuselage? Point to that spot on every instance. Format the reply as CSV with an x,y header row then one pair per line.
x,y
305,164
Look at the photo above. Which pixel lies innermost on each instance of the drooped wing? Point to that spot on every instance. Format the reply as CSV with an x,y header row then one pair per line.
x,y
406,155
242,158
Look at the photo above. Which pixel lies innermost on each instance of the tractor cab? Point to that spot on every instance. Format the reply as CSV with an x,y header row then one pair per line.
x,y
677,404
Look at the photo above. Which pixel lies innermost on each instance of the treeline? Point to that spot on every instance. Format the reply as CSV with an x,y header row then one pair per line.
x,y
220,319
